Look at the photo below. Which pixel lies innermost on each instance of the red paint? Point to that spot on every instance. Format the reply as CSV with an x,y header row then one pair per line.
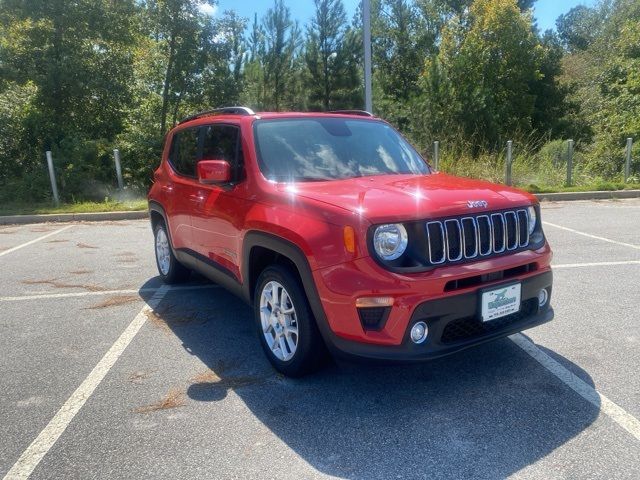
x,y
214,171
214,219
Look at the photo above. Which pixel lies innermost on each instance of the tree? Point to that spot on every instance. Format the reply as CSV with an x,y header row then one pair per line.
x,y
223,77
253,93
459,7
282,37
183,31
331,58
66,67
76,55
490,65
552,108
579,27
400,44
604,81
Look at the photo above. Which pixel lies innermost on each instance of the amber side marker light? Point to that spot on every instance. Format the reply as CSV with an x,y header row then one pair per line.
x,y
349,236
368,302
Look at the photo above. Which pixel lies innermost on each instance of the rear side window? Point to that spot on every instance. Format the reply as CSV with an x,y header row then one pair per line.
x,y
183,155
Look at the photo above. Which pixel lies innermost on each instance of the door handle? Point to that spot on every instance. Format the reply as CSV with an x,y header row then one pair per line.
x,y
196,198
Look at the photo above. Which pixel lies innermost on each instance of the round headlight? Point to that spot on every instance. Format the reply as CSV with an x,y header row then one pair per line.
x,y
390,241
532,219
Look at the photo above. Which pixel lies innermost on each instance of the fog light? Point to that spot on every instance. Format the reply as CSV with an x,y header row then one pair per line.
x,y
419,332
543,297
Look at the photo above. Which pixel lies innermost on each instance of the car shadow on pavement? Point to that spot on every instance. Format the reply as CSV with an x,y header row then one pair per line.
x,y
487,412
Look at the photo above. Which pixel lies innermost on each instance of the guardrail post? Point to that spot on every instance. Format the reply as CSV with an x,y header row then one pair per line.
x,y
569,162
436,154
116,157
52,177
507,163
627,163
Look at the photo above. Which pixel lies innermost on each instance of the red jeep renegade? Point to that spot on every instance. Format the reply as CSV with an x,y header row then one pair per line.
x,y
343,238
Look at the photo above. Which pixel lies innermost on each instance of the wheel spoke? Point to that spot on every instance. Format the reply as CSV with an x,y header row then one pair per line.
x,y
274,292
284,299
292,331
272,338
282,341
267,328
290,342
267,295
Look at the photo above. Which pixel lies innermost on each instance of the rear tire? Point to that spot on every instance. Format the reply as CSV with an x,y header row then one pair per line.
x,y
170,269
287,330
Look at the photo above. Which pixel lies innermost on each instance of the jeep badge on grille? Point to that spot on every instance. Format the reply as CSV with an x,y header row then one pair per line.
x,y
477,204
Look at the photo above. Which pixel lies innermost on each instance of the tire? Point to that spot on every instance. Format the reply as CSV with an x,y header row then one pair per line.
x,y
170,269
292,354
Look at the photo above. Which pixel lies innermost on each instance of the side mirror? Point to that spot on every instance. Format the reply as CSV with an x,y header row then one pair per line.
x,y
214,171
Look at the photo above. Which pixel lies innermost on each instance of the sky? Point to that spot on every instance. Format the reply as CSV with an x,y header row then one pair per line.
x,y
546,11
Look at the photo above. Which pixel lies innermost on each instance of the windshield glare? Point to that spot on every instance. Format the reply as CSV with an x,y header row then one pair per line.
x,y
316,149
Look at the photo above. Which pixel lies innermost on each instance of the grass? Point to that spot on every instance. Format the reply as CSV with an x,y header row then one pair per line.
x,y
600,186
79,207
533,172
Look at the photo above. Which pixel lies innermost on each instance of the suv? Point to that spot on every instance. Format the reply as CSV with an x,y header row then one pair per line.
x,y
343,238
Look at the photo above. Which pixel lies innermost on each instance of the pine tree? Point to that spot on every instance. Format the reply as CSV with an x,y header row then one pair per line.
x,y
331,58
281,45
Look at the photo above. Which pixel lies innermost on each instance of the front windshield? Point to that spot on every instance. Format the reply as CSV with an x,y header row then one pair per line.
x,y
316,149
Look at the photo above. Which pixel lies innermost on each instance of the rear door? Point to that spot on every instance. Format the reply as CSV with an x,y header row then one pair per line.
x,y
181,189
218,216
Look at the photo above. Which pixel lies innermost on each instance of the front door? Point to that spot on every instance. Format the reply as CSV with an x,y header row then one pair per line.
x,y
217,216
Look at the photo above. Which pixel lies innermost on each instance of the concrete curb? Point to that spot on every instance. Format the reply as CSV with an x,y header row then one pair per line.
x,y
112,216
569,196
73,217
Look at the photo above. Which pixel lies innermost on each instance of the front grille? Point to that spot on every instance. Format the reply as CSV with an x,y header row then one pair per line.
x,y
457,239
472,327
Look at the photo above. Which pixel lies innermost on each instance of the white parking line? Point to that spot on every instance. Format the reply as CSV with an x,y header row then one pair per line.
x,y
596,264
631,245
30,458
5,252
40,296
586,391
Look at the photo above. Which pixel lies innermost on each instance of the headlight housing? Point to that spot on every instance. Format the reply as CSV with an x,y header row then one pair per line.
x,y
390,241
533,219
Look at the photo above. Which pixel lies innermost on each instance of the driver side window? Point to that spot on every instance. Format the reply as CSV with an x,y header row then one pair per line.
x,y
222,142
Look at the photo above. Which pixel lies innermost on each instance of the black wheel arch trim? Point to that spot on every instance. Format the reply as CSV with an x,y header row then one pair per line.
x,y
157,208
294,253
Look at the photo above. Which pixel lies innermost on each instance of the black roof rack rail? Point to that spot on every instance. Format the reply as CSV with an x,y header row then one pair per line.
x,y
362,113
219,111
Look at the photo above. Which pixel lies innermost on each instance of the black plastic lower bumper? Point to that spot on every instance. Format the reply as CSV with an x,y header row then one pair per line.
x,y
454,324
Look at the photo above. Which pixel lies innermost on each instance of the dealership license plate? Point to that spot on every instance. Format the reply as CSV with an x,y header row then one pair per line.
x,y
500,302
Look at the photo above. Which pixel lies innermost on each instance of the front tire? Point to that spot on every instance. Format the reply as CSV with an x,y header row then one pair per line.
x,y
170,269
287,330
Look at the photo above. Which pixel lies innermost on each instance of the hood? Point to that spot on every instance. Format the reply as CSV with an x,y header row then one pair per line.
x,y
394,198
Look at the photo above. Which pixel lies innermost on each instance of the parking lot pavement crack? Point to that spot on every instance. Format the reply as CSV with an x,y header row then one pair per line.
x,y
32,456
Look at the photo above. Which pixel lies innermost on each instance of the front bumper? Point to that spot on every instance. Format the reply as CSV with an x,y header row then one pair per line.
x,y
454,325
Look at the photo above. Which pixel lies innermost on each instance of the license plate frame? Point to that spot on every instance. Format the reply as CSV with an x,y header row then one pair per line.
x,y
488,312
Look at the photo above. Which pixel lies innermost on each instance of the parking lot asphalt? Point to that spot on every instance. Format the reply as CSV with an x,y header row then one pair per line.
x,y
95,384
